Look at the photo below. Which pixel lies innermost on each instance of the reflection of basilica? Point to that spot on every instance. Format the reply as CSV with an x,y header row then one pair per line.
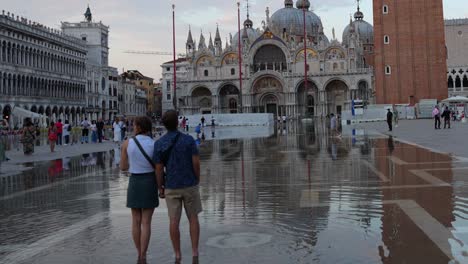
x,y
273,68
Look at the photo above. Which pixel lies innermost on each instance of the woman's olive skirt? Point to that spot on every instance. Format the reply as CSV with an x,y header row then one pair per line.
x,y
142,191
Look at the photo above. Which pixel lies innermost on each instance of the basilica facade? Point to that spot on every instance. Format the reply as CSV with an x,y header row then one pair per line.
x,y
274,60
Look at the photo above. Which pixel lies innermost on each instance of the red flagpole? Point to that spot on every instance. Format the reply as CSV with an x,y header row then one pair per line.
x,y
239,54
174,100
305,50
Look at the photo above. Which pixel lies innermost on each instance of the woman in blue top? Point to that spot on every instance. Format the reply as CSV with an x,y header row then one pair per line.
x,y
142,194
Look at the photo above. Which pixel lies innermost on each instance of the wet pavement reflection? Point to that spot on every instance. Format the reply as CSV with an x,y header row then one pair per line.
x,y
293,195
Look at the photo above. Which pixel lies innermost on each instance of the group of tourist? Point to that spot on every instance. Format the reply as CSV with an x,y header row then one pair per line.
x,y
448,116
174,160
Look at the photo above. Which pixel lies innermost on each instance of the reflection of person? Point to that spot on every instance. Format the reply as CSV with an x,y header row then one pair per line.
x,y
178,153
391,145
28,137
142,194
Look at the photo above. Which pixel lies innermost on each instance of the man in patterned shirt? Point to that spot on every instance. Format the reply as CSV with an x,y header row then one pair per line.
x,y
178,154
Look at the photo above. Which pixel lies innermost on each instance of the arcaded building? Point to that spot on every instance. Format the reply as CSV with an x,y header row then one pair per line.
x,y
410,53
273,67
456,35
42,70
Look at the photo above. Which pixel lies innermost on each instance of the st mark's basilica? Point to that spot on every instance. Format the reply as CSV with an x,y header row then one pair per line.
x,y
273,67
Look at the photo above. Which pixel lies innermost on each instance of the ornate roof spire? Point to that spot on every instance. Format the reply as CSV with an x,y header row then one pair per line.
x,y
201,44
190,38
218,36
301,4
358,15
88,15
248,23
210,43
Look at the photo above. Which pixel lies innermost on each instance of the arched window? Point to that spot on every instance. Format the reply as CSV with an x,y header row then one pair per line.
x,y
388,70
450,82
458,83
385,9
233,71
465,81
386,39
206,73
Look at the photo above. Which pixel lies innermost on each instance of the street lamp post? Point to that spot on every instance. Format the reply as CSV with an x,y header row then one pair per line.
x,y
239,54
174,99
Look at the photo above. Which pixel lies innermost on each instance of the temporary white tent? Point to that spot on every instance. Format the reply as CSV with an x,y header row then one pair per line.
x,y
19,114
456,99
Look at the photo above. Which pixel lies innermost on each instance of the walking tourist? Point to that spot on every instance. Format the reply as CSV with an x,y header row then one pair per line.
x,y
66,132
184,122
59,126
446,116
93,131
187,126
178,154
28,137
100,128
142,193
198,129
436,116
3,131
117,131
85,131
213,121
334,126
396,116
52,136
202,121
123,129
389,119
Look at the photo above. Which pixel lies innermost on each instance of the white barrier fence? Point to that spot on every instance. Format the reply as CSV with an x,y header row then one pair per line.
x,y
375,113
232,119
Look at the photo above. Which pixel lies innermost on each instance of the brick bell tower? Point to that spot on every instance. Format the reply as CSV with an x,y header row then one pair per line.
x,y
410,53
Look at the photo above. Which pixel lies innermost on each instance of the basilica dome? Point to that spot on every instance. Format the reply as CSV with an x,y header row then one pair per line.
x,y
365,30
252,34
290,20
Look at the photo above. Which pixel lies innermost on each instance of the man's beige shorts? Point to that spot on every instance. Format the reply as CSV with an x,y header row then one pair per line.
x,y
189,197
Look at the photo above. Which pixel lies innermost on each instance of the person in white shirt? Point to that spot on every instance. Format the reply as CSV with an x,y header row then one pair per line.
x,y
66,132
117,131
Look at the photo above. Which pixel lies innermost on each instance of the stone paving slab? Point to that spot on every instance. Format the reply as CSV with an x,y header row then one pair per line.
x,y
453,141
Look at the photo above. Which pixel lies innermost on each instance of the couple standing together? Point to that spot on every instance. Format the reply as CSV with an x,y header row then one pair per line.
x,y
173,171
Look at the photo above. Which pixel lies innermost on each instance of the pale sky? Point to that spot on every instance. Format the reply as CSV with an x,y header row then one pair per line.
x,y
147,24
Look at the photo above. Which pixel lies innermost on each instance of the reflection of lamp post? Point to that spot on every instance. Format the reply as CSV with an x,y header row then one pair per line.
x,y
174,100
239,55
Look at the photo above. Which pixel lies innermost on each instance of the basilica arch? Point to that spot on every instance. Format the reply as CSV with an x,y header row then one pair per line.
x,y
269,57
201,100
307,98
268,95
363,91
229,98
337,98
